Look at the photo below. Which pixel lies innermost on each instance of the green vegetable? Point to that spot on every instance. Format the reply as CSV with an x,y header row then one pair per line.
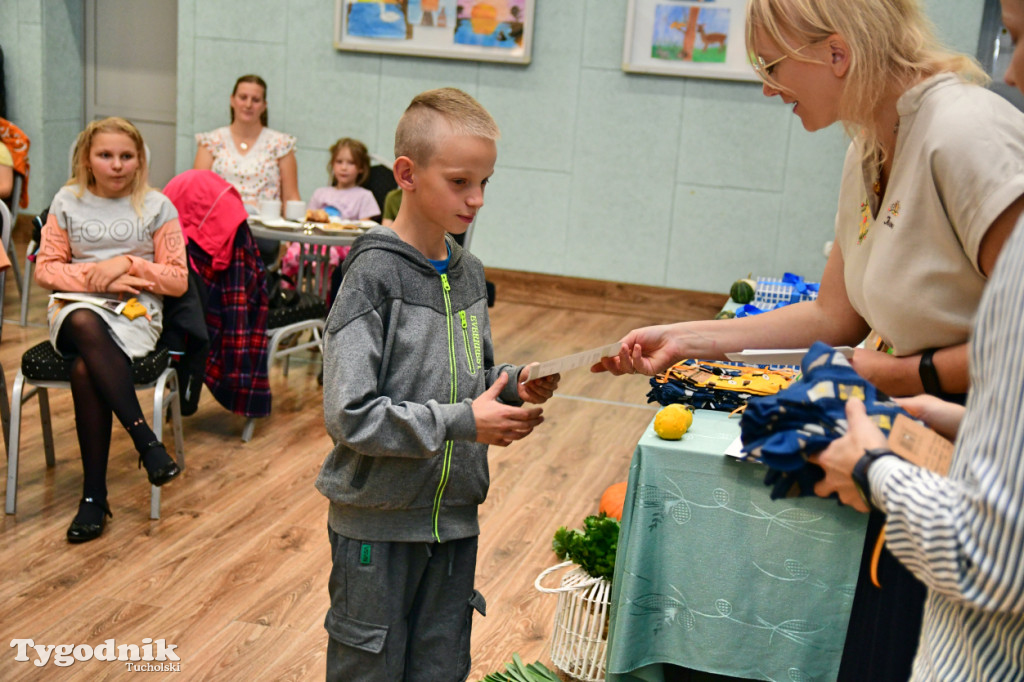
x,y
742,291
725,315
516,671
593,549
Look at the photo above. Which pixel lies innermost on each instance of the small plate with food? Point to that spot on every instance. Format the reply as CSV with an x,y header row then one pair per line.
x,y
347,225
279,223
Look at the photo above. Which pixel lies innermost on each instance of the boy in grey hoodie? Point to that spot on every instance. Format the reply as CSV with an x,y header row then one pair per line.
x,y
412,399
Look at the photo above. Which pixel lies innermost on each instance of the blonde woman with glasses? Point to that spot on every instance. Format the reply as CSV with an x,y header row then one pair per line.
x,y
932,185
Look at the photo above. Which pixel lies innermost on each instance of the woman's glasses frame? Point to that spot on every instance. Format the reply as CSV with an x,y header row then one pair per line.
x,y
763,70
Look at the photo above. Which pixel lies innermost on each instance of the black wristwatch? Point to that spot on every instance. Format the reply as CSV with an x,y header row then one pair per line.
x,y
860,472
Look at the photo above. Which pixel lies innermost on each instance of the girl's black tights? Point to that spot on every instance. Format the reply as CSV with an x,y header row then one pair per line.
x,y
101,386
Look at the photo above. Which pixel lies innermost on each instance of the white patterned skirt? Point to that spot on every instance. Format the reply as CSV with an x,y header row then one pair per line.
x,y
137,338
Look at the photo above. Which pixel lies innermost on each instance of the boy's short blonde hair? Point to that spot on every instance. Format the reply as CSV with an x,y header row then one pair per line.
x,y
418,132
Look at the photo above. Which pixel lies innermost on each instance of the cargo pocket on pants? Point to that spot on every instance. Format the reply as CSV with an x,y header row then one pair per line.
x,y
367,639
479,604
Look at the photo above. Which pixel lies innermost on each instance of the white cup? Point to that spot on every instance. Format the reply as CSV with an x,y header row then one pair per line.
x,y
270,209
295,210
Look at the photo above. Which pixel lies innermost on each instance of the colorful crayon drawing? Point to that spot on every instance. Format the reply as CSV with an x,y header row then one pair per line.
x,y
490,23
691,34
489,30
373,19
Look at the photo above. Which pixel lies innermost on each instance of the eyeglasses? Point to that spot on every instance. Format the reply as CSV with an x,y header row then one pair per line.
x,y
763,70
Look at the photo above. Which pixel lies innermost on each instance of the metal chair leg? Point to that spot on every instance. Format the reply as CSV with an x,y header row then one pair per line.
x,y
248,429
44,417
26,286
165,397
16,271
11,501
5,412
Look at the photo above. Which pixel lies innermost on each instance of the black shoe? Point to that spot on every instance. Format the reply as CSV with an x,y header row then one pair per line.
x,y
85,527
160,467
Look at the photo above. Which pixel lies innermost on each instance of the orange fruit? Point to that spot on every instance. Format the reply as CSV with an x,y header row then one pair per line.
x,y
672,421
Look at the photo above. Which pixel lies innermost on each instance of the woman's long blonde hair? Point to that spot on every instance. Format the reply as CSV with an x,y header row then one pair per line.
x,y
83,177
889,41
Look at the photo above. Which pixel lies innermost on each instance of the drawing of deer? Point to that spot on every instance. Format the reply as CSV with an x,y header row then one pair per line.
x,y
711,38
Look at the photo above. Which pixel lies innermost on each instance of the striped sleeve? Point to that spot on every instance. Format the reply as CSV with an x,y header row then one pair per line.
x,y
963,536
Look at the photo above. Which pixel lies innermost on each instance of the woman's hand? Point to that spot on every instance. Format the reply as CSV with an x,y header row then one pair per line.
x,y
942,417
539,390
839,458
104,273
648,350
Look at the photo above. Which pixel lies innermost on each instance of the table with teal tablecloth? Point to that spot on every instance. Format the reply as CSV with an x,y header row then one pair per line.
x,y
713,575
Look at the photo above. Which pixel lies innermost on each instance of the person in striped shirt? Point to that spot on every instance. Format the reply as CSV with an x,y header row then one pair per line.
x,y
962,535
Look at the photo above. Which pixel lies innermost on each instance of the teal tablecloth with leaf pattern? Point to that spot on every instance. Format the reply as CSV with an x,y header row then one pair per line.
x,y
715,576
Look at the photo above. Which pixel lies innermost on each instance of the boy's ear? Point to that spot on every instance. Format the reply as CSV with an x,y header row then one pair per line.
x,y
405,173
839,55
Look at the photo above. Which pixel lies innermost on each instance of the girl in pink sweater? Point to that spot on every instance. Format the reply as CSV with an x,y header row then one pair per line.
x,y
111,236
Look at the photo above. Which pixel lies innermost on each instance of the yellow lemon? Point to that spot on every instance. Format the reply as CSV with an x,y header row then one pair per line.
x,y
672,421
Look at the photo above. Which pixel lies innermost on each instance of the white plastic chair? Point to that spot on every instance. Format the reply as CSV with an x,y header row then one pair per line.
x,y
43,364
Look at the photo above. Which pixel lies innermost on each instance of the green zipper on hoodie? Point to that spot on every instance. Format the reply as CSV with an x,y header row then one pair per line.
x,y
467,342
453,370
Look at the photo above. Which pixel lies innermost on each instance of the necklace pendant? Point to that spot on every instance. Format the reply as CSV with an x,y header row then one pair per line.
x,y
244,146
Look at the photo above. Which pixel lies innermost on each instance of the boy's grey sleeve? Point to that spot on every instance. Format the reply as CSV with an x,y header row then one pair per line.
x,y
510,394
356,415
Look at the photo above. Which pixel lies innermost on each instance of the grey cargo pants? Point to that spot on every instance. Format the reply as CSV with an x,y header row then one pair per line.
x,y
401,611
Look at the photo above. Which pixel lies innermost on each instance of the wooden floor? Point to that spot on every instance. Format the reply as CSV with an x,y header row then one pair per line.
x,y
235,571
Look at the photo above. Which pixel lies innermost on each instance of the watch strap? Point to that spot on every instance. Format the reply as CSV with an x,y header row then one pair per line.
x,y
929,376
860,472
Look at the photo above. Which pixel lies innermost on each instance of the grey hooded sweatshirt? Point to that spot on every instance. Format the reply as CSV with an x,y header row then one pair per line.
x,y
406,351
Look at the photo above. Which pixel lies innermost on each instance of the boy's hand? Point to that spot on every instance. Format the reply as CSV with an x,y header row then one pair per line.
x,y
500,424
539,390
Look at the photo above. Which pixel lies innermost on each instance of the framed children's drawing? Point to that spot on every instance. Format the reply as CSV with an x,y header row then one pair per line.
x,y
699,38
483,30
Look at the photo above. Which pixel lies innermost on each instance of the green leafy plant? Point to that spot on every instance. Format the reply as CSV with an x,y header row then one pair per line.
x,y
593,549
517,671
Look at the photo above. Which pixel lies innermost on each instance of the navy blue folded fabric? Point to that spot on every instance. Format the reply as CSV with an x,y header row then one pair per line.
x,y
781,430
